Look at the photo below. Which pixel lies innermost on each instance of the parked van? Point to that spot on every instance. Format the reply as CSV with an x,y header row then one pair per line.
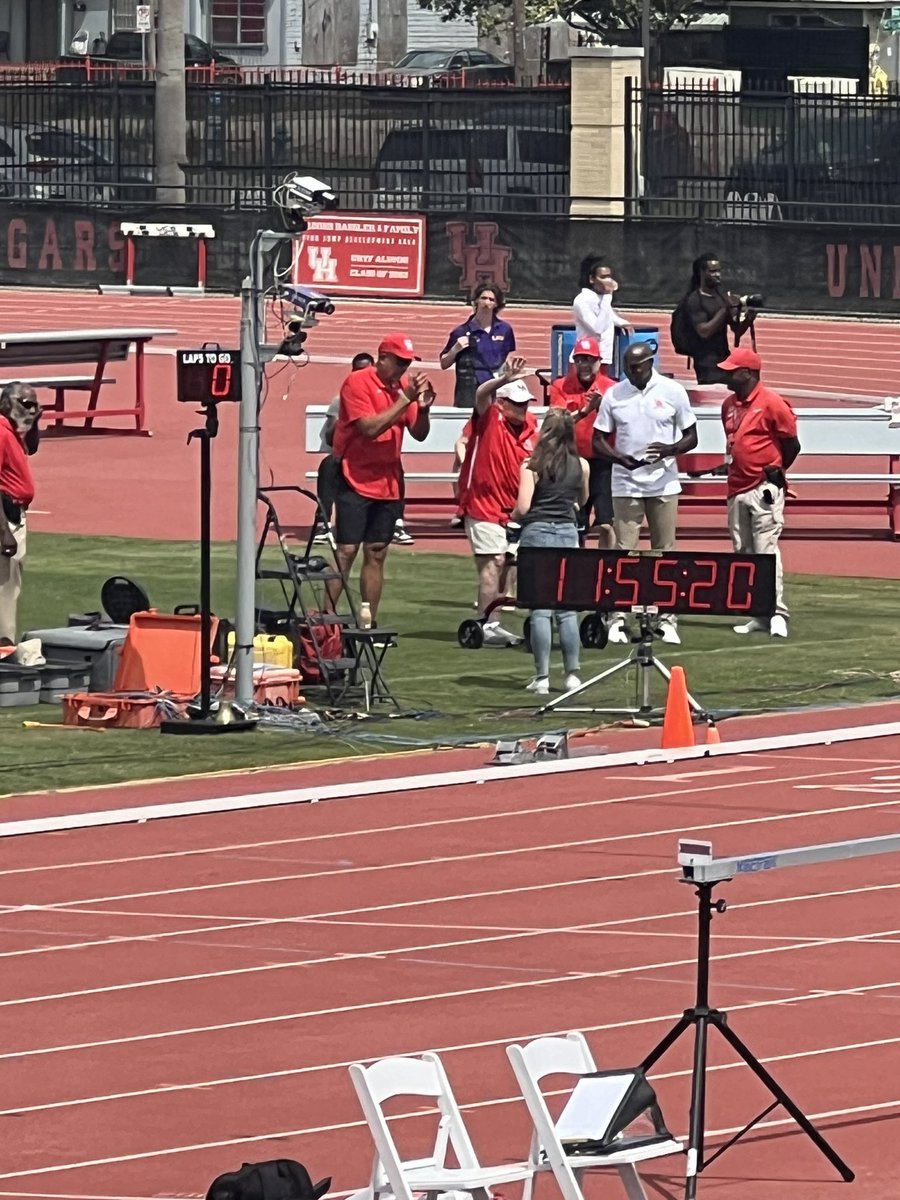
x,y
515,168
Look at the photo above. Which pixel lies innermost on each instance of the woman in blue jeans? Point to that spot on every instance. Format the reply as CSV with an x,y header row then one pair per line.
x,y
553,487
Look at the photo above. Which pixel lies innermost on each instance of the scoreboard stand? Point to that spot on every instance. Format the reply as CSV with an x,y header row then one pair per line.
x,y
645,663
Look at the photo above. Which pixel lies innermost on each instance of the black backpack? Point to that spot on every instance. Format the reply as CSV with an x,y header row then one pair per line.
x,y
278,1179
681,330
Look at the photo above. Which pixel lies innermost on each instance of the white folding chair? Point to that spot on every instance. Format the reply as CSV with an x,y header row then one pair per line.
x,y
570,1055
391,1175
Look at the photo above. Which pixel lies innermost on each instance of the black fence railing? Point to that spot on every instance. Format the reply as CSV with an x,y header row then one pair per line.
x,y
423,148
765,156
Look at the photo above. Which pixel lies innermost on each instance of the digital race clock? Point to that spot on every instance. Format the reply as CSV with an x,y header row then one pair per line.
x,y
208,376
714,585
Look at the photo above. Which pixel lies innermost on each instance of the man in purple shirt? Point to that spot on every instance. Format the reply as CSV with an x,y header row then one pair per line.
x,y
479,346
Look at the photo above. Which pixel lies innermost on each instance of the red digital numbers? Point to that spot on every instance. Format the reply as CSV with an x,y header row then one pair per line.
x,y
700,584
561,581
741,577
665,593
632,584
220,381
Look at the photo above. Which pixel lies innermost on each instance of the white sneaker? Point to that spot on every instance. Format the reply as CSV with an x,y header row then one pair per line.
x,y
669,633
402,538
496,635
540,685
617,633
754,625
778,626
572,682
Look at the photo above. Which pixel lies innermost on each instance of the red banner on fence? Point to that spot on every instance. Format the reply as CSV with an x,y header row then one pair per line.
x,y
362,254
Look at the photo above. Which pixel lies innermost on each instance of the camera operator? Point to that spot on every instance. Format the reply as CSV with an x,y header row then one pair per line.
x,y
652,420
761,440
505,432
712,312
377,404
19,437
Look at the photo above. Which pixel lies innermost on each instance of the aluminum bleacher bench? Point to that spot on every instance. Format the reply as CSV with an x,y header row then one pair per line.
x,y
842,436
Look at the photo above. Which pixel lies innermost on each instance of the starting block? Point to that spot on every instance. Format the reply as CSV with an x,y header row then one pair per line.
x,y
132,230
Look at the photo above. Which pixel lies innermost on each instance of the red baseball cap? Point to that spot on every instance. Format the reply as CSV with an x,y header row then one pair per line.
x,y
588,346
739,359
400,345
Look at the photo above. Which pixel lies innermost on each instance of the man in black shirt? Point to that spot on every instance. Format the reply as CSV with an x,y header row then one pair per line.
x,y
712,313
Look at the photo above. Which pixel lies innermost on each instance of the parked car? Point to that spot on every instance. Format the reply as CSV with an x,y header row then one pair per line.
x,y
821,166
452,166
124,56
454,65
46,162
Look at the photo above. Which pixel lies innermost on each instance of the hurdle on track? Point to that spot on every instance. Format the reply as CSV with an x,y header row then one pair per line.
x,y
133,230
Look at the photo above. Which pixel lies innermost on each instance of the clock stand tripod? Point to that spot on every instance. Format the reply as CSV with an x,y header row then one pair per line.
x,y
642,660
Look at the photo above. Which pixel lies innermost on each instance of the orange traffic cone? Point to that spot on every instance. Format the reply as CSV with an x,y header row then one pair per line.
x,y
678,725
712,733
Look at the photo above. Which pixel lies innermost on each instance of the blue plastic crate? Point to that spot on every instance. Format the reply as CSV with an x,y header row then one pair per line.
x,y
642,333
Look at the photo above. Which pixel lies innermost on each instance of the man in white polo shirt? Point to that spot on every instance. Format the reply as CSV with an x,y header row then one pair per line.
x,y
652,420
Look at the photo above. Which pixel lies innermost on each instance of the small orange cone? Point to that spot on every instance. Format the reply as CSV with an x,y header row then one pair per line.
x,y
678,725
712,733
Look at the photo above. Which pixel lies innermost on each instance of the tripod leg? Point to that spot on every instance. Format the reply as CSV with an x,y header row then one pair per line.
x,y
667,675
698,1109
669,1040
783,1098
620,666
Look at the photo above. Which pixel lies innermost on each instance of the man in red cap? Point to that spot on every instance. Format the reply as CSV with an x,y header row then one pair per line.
x,y
505,433
580,392
377,405
761,439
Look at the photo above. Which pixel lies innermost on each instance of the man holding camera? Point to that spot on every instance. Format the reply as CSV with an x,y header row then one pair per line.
x,y
19,436
712,313
378,404
761,440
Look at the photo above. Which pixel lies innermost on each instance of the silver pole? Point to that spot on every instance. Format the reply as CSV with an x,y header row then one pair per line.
x,y
248,484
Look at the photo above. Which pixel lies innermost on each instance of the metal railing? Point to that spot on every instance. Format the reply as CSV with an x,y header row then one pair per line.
x,y
736,155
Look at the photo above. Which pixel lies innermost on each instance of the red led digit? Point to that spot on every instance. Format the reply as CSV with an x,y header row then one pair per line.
x,y
703,585
741,577
561,580
667,590
598,590
632,583
220,383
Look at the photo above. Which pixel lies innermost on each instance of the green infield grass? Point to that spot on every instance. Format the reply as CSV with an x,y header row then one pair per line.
x,y
843,638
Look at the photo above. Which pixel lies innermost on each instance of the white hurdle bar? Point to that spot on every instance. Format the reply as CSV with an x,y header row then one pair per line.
x,y
698,864
133,230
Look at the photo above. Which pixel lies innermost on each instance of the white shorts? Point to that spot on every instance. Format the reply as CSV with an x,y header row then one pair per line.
x,y
485,537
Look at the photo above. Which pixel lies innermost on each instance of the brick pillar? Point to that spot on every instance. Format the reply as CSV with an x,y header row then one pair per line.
x,y
598,141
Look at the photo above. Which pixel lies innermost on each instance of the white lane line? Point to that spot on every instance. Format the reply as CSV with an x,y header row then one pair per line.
x,y
486,854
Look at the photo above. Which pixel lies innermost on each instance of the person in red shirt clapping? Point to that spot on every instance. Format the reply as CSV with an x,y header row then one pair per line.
x,y
505,433
19,413
580,392
377,405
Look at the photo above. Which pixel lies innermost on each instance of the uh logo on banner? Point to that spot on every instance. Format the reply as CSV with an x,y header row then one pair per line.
x,y
362,254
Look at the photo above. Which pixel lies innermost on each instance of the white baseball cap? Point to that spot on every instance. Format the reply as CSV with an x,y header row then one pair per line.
x,y
516,392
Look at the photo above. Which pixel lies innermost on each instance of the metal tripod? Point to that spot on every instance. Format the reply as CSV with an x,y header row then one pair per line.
x,y
701,1017
643,660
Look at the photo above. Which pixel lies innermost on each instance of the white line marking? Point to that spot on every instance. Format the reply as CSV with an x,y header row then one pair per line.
x,y
533,771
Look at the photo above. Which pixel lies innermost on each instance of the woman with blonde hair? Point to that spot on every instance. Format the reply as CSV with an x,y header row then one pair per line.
x,y
553,486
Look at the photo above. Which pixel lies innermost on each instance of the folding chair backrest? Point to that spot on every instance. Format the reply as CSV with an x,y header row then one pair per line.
x,y
569,1055
420,1077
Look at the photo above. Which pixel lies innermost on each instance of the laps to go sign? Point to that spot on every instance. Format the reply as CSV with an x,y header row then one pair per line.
x,y
708,584
208,376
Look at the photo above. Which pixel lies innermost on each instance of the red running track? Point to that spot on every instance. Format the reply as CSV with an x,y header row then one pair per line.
x,y
179,997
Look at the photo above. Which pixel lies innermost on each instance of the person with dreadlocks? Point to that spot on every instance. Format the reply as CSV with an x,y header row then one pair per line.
x,y
710,312
593,310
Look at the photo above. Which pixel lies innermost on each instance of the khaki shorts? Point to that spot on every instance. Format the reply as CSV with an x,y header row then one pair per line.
x,y
485,537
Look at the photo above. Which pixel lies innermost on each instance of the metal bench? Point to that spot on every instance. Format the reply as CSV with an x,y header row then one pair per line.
x,y
839,434
59,385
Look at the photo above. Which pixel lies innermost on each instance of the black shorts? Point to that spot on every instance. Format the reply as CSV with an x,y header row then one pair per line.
x,y
360,520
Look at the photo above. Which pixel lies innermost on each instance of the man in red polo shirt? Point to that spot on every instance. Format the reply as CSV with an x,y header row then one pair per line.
x,y
761,438
377,405
505,433
580,392
19,411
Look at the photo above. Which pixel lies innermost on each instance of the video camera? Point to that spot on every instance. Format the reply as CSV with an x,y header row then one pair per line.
x,y
753,300
308,303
